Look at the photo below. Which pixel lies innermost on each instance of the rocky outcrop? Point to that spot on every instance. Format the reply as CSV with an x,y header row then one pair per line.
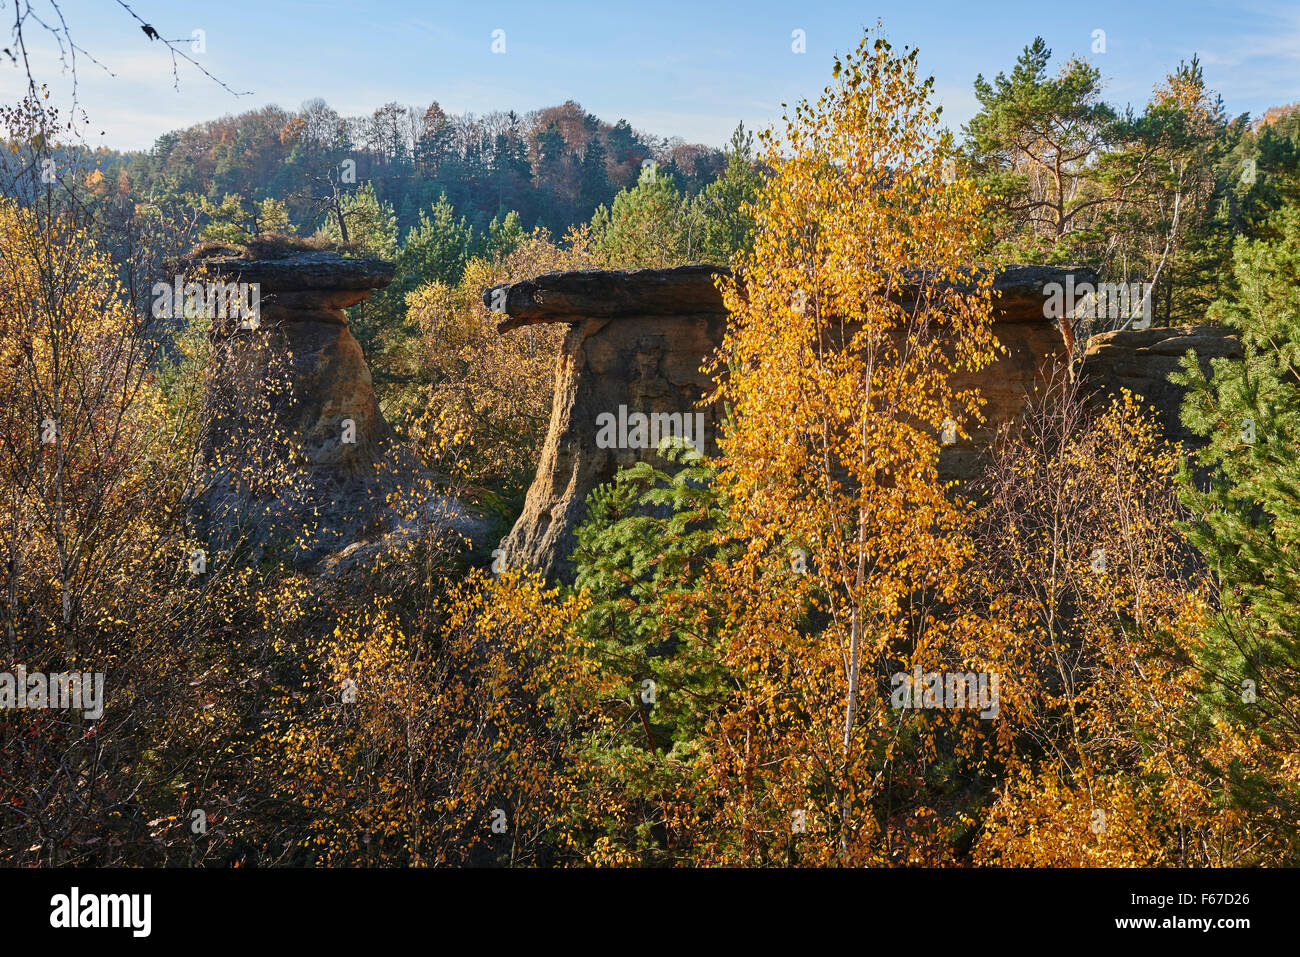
x,y
1033,347
638,349
1141,362
636,342
296,453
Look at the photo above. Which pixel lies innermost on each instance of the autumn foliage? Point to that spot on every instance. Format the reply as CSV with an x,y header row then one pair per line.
x,y
741,674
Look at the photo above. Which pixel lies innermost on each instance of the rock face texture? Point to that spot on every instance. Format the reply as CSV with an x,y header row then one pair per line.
x,y
1142,361
636,342
1034,346
296,455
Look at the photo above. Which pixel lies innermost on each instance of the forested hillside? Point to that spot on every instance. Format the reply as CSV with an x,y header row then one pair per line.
x,y
553,167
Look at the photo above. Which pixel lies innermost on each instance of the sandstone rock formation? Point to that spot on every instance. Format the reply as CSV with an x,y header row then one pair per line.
x,y
637,341
296,453
1141,362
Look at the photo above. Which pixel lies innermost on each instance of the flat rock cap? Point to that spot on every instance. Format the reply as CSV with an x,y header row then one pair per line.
x,y
608,293
297,271
692,290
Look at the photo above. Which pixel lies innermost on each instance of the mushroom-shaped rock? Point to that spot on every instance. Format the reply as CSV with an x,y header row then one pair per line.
x,y
296,452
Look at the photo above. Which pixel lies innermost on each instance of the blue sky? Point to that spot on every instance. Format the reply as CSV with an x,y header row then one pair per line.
x,y
688,69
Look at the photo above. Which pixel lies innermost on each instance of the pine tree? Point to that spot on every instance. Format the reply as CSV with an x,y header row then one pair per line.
x,y
1034,146
1249,516
502,237
727,221
372,231
272,216
645,558
228,221
437,248
649,227
371,223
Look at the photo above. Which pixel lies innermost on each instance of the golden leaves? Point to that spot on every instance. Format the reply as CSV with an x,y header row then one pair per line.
x,y
837,402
